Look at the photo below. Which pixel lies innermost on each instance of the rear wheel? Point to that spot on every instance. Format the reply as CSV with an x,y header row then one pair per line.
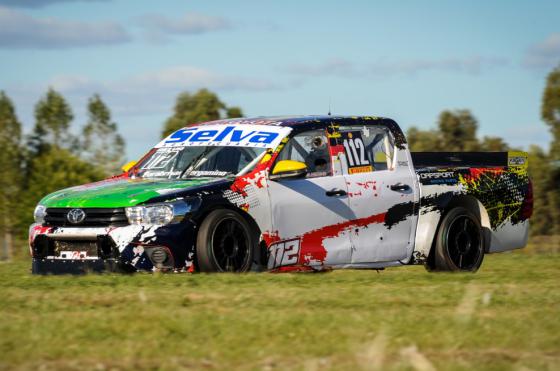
x,y
225,243
459,242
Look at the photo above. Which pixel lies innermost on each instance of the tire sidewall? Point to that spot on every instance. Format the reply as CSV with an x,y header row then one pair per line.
x,y
204,252
443,261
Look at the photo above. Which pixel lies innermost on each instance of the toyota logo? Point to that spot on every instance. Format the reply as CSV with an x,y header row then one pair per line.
x,y
76,216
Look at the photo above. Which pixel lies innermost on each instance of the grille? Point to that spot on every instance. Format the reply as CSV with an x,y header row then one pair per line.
x,y
95,217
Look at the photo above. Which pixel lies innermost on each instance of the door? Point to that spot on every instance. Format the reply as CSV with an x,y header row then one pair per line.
x,y
380,192
309,215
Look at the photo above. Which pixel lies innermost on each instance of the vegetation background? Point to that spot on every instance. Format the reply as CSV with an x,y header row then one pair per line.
x,y
503,317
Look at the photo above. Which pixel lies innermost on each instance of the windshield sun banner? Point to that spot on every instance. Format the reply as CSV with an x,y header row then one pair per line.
x,y
260,136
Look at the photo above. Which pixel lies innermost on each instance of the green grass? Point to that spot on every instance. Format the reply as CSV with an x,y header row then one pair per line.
x,y
506,316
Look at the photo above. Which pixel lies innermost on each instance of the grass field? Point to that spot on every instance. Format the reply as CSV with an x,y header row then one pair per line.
x,y
506,316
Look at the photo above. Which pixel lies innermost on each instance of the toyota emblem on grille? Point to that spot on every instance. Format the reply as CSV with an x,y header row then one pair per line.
x,y
76,216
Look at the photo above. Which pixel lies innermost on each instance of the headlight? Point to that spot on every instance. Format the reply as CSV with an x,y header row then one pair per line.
x,y
161,214
39,214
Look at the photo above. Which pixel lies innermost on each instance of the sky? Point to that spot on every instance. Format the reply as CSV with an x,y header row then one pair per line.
x,y
408,60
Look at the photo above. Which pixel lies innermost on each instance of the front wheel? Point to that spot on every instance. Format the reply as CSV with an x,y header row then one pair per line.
x,y
225,243
459,242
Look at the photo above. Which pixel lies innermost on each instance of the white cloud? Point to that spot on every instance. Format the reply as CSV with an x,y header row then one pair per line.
x,y
471,65
167,79
148,93
386,67
545,54
334,67
189,77
19,30
159,26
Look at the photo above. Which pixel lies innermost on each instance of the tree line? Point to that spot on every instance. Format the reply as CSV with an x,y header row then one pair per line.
x,y
51,157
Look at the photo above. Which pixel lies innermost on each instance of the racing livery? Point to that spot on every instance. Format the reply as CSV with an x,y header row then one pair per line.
x,y
288,194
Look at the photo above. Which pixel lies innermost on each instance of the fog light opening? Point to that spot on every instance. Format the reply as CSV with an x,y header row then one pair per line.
x,y
161,257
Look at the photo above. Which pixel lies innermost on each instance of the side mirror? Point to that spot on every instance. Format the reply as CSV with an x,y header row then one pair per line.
x,y
128,166
287,169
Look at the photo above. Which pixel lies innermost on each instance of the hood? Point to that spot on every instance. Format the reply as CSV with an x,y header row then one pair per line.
x,y
122,192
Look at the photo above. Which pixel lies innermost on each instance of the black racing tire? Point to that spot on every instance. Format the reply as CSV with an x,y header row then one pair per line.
x,y
225,243
460,242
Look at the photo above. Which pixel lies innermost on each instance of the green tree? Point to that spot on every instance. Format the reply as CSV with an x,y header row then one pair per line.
x,y
423,140
539,171
550,110
199,107
10,181
234,112
51,170
493,144
102,146
550,113
458,130
52,164
52,122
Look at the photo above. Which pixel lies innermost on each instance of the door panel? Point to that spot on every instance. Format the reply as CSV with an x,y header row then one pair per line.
x,y
302,210
380,193
310,215
387,239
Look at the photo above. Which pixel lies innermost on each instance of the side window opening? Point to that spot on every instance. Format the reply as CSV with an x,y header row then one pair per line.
x,y
311,148
368,148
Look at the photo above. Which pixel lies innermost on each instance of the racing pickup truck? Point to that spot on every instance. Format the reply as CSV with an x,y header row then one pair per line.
x,y
288,194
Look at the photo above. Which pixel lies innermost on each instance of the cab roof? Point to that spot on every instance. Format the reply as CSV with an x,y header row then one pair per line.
x,y
298,121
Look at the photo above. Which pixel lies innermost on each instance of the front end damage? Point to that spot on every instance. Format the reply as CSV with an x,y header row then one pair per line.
x,y
129,248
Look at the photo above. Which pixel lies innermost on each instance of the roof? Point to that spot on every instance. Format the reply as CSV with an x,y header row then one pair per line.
x,y
293,121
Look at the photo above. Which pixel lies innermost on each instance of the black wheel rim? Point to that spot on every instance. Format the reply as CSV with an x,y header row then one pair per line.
x,y
230,245
464,242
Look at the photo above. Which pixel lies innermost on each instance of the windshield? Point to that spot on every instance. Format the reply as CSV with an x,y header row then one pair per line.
x,y
198,161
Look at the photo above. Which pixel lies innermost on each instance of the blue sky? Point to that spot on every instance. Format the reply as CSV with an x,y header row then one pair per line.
x,y
407,60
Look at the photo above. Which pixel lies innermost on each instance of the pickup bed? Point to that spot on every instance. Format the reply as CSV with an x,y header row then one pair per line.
x,y
288,194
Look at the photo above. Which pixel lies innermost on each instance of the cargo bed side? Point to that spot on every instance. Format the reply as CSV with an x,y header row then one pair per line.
x,y
494,185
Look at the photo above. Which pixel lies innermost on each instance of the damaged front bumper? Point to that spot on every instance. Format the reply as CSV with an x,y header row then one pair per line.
x,y
82,266
122,249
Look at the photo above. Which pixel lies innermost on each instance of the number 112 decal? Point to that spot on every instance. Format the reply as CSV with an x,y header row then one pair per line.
x,y
355,151
283,253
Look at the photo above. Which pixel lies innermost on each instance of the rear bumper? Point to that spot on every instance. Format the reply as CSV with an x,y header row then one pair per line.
x,y
60,266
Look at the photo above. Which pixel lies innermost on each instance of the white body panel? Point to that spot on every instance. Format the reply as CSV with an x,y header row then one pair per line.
x,y
509,237
300,207
370,194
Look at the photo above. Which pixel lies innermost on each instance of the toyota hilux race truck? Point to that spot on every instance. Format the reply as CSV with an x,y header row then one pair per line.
x,y
288,194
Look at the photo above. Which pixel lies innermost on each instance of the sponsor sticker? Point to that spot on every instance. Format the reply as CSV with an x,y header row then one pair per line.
x,y
262,136
517,159
359,169
438,177
161,159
